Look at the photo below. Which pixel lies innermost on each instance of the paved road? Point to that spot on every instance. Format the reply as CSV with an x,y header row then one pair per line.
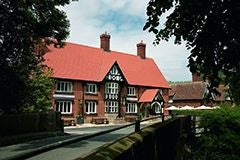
x,y
78,149
27,149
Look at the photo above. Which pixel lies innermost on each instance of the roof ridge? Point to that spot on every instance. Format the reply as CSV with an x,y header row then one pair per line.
x,y
113,51
186,83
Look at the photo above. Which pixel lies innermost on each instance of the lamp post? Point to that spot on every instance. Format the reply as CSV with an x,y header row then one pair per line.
x,y
137,124
162,114
138,120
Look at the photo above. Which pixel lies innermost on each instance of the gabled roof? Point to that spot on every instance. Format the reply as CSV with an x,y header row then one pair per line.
x,y
197,91
188,91
148,95
119,71
79,62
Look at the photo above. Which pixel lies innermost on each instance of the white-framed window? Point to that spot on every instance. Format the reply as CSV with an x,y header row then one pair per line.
x,y
91,88
111,106
131,91
64,86
131,108
65,107
111,88
157,107
91,107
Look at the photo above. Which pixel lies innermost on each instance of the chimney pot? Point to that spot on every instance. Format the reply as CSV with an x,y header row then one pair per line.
x,y
105,41
141,50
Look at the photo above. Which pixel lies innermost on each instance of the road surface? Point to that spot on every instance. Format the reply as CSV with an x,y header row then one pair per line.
x,y
83,147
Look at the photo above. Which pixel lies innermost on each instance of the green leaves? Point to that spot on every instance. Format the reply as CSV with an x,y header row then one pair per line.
x,y
24,25
220,139
42,87
211,29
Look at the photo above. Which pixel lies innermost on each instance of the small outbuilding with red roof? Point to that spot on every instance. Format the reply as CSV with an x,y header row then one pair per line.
x,y
97,82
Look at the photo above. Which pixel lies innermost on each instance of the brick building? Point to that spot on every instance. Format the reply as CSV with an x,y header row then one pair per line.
x,y
195,94
98,82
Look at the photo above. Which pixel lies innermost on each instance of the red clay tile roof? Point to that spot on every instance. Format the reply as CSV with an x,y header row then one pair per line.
x,y
148,95
79,62
189,91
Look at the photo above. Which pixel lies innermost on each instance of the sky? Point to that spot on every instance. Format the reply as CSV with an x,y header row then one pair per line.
x,y
124,21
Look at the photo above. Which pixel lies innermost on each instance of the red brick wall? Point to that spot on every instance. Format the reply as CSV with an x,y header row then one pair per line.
x,y
99,97
101,102
123,93
165,94
78,92
79,88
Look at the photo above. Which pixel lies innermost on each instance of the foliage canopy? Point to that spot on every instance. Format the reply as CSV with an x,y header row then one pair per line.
x,y
220,139
211,30
24,25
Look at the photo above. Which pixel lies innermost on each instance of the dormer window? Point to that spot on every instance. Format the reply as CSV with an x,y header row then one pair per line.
x,y
91,88
131,91
64,87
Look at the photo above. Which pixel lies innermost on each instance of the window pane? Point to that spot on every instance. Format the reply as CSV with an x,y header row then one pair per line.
x,y
64,86
58,86
57,106
87,104
131,108
60,107
87,88
95,88
131,91
64,107
68,107
91,107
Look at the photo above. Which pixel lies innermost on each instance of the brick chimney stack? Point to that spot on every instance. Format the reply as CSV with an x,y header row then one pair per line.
x,y
105,41
196,77
141,50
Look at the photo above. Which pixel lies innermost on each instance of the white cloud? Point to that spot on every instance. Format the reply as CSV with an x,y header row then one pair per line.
x,y
124,21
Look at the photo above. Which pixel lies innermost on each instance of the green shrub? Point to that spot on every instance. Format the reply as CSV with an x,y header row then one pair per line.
x,y
220,139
